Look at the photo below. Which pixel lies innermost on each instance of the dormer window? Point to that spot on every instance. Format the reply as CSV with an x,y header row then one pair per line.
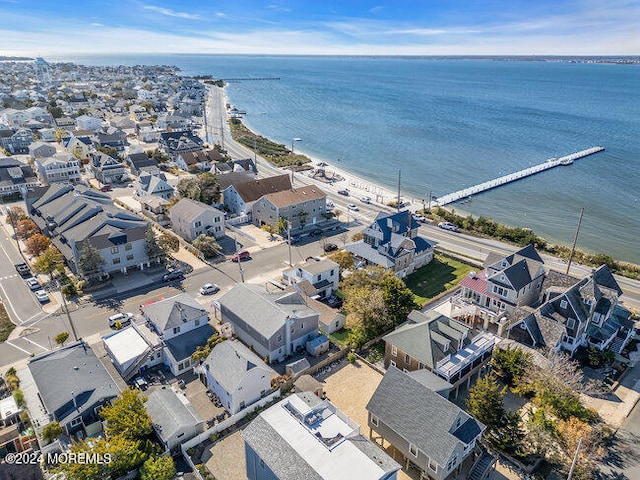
x,y
563,304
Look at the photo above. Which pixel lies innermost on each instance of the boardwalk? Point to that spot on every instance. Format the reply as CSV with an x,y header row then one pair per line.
x,y
512,177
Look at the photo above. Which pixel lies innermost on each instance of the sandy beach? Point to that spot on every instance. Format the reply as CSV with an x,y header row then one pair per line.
x,y
357,186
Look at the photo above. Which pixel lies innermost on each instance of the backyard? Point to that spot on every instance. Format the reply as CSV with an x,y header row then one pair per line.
x,y
439,276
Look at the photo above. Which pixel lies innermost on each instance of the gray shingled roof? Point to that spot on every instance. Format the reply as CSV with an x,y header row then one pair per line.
x,y
262,310
418,414
189,209
74,368
174,311
230,361
169,414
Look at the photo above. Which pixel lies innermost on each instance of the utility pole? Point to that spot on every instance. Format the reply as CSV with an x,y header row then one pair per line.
x,y
293,157
575,459
255,154
429,201
221,133
575,240
289,241
235,241
66,310
398,202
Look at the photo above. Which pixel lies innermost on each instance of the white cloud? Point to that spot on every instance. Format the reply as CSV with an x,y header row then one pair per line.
x,y
376,9
172,13
278,8
96,24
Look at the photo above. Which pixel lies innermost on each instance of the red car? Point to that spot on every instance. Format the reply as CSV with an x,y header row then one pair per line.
x,y
105,188
241,255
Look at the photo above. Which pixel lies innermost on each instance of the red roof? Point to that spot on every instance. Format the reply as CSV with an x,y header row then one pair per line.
x,y
478,283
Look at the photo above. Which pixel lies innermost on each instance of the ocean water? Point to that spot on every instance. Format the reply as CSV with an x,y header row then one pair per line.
x,y
448,124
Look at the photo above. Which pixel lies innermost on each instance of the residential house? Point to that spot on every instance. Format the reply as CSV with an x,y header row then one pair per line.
x,y
240,196
299,206
122,122
430,433
16,141
306,437
441,345
14,118
140,164
41,149
16,177
65,122
106,169
69,386
70,215
505,284
156,209
587,313
175,421
190,218
322,275
154,185
175,143
147,131
113,138
47,134
138,113
172,123
236,375
88,122
275,324
201,160
61,167
244,165
80,147
392,241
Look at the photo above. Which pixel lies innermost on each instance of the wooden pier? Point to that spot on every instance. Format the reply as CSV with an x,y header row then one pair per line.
x,y
249,79
512,177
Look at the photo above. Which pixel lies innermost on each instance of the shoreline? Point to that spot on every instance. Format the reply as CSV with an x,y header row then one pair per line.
x,y
380,195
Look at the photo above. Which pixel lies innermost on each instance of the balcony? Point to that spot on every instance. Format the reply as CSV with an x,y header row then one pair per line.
x,y
464,359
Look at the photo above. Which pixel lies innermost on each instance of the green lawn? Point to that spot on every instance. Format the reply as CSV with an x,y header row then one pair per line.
x,y
439,276
6,325
340,337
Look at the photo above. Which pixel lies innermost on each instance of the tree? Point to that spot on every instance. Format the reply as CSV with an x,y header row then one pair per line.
x,y
209,188
343,258
510,363
281,226
591,450
90,262
36,244
55,111
357,236
51,431
398,299
127,416
61,338
169,243
337,212
485,402
159,468
48,261
207,245
26,228
189,188
152,247
16,214
60,134
269,229
366,311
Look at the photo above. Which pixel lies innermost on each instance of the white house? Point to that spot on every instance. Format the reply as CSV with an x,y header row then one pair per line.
x,y
61,167
323,275
236,375
88,122
41,149
190,218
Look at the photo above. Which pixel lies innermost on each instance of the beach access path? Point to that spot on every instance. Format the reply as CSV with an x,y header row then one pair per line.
x,y
472,248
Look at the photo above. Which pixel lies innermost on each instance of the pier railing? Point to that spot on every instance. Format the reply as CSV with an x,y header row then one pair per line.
x,y
512,177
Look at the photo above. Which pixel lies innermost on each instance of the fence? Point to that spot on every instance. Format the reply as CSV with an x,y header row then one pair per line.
x,y
288,385
239,220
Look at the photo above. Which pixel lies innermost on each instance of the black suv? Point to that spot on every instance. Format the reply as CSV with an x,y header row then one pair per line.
x,y
316,232
175,275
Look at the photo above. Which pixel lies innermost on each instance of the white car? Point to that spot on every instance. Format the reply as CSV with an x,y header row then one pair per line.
x,y
209,289
448,226
33,283
365,200
42,296
123,318
419,218
353,206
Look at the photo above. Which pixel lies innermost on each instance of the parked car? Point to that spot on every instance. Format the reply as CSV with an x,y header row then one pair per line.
x,y
241,255
33,283
123,318
209,289
448,226
365,200
294,239
419,218
105,188
42,296
353,206
23,269
330,205
333,301
141,383
330,247
343,192
174,275
316,232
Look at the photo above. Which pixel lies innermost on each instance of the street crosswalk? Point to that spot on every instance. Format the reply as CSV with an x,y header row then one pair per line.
x,y
8,277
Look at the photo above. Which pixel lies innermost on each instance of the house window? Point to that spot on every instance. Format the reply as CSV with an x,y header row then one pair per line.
x,y
128,246
394,350
197,322
261,463
197,224
129,257
374,420
407,358
393,363
420,366
571,323
241,405
319,277
114,250
413,450
116,261
76,421
176,329
331,274
433,466
302,326
279,338
563,304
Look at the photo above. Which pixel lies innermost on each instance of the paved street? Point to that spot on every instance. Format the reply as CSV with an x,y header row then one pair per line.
x,y
623,461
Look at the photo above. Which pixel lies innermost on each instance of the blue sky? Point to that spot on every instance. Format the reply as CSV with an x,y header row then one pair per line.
x,y
385,27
